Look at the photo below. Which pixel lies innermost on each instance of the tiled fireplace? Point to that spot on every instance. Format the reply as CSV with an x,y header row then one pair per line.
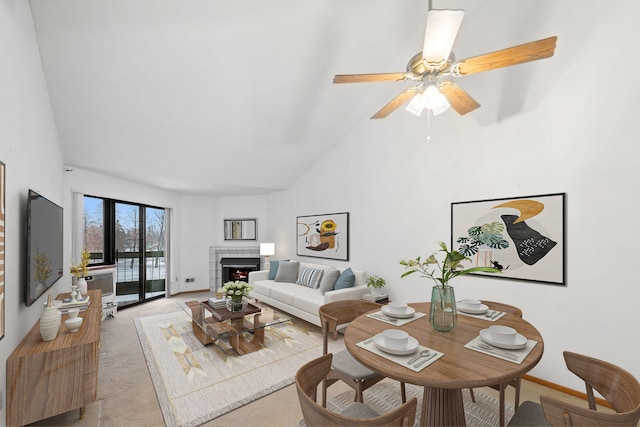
x,y
217,253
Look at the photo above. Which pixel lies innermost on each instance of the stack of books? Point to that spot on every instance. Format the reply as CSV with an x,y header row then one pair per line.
x,y
218,302
380,299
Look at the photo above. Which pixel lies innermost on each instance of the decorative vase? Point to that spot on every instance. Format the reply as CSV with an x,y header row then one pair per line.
x,y
377,291
443,314
81,284
50,321
74,294
236,304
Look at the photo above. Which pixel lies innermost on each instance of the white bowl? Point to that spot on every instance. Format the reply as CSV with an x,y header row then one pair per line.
x,y
395,338
73,324
503,334
73,312
472,304
397,307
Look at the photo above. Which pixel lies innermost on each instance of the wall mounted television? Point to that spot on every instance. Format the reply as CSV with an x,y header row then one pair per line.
x,y
44,246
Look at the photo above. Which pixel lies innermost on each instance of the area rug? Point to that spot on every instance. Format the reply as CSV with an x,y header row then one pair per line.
x,y
385,396
195,384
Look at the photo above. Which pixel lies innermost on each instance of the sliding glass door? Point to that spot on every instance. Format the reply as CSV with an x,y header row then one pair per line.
x,y
132,236
129,260
155,271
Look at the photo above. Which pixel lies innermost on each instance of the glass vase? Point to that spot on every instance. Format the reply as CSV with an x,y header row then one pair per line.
x,y
236,304
443,314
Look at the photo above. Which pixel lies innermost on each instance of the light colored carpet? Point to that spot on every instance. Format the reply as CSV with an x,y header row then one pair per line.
x,y
385,396
195,384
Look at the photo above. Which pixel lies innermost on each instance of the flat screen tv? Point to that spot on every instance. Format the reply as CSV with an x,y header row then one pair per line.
x,y
44,246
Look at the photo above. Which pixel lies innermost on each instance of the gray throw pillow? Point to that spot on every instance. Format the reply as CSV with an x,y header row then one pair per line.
x,y
329,278
287,271
346,280
273,268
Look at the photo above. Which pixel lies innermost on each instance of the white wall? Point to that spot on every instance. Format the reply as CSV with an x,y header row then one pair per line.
x,y
571,129
30,150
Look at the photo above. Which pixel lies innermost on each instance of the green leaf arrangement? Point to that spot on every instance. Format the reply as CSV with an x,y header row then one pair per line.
x,y
449,268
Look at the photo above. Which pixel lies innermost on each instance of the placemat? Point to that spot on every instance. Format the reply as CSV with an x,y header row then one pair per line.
x,y
514,356
483,316
379,315
368,344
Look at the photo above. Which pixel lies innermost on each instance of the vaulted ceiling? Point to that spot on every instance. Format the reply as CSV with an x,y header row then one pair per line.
x,y
236,97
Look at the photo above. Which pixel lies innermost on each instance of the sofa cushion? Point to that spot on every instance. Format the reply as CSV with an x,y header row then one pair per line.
x,y
309,277
273,268
329,278
263,287
286,292
308,301
346,280
287,271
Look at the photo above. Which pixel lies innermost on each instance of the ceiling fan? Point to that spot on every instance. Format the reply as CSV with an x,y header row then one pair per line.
x,y
435,67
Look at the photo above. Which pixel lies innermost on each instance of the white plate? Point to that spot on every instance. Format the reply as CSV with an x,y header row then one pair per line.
x,y
520,342
482,310
408,312
411,347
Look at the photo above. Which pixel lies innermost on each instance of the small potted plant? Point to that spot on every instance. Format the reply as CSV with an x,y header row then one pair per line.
x,y
376,284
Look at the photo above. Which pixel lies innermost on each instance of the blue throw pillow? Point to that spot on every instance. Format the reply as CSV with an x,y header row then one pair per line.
x,y
273,268
346,280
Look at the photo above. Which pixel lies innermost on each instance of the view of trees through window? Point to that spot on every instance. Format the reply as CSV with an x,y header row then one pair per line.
x,y
115,232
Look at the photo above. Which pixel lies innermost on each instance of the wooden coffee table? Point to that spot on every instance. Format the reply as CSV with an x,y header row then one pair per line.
x,y
210,324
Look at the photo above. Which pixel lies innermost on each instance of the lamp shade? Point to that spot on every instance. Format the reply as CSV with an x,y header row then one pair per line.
x,y
267,249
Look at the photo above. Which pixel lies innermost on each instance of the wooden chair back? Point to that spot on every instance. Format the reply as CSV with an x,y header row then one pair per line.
x,y
617,386
310,375
338,313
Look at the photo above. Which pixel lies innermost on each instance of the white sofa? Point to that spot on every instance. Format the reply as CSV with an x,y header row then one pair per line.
x,y
301,301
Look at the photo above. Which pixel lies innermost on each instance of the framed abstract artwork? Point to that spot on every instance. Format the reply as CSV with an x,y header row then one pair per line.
x,y
323,236
3,192
524,237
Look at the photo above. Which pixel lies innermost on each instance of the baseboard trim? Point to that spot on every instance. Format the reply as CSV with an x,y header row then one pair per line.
x,y
566,390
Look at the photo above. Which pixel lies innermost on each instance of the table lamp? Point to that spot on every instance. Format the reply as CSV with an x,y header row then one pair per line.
x,y
266,250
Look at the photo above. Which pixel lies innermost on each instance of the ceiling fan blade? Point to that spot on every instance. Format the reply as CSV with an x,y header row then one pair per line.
x,y
532,51
395,103
379,77
459,100
441,32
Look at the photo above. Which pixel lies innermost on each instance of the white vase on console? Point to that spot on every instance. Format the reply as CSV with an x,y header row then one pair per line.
x,y
81,286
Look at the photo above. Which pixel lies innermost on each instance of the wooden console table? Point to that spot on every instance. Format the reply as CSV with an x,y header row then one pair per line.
x,y
49,378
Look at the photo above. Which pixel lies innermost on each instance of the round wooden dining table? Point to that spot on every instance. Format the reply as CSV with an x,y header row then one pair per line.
x,y
459,368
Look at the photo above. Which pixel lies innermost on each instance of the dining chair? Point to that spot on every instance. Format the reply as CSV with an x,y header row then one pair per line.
x,y
618,387
309,377
344,367
515,383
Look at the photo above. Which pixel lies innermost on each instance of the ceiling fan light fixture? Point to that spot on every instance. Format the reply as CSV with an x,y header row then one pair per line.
x,y
431,99
442,28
